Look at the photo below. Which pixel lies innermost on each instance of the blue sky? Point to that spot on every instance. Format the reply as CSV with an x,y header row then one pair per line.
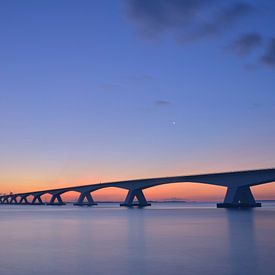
x,y
111,89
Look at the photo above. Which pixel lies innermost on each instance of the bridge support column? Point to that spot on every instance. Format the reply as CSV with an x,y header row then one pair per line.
x,y
138,194
85,196
37,200
5,200
239,197
14,200
23,200
56,197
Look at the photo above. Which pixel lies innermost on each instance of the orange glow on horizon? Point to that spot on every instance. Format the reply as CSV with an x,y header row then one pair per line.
x,y
175,191
25,181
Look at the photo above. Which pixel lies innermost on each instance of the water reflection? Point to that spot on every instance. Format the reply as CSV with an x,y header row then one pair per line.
x,y
242,241
163,239
136,248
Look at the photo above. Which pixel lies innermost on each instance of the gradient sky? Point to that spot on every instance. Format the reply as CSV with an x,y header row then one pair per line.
x,y
97,90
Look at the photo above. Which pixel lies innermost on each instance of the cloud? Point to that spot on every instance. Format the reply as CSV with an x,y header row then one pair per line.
x,y
189,19
247,43
193,20
157,16
162,103
223,20
269,56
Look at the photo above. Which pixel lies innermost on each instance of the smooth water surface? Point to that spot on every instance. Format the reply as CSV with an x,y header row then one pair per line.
x,y
166,238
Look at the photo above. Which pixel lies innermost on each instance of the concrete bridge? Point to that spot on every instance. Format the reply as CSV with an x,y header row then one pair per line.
x,y
238,192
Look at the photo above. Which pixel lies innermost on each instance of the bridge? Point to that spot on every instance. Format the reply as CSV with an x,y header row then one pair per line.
x,y
238,192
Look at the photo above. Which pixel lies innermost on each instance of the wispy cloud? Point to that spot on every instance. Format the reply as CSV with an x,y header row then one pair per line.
x,y
154,17
247,43
269,56
162,103
189,19
222,21
193,20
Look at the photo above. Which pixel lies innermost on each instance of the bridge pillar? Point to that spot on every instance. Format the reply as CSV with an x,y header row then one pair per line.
x,y
56,197
138,194
5,200
38,199
14,200
23,200
238,197
89,199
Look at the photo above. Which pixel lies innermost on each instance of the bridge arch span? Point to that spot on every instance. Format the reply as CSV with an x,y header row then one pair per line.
x,y
110,193
185,190
86,196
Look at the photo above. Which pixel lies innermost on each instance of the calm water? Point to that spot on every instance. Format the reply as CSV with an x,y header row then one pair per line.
x,y
162,239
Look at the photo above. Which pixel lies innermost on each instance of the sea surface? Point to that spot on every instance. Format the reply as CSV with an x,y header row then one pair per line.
x,y
166,238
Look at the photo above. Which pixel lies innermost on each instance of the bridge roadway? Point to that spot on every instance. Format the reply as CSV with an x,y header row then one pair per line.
x,y
238,192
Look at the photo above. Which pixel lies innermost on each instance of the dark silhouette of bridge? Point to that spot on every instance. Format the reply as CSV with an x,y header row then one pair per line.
x,y
238,192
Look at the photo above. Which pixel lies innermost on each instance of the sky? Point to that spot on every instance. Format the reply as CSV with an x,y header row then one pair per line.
x,y
97,91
